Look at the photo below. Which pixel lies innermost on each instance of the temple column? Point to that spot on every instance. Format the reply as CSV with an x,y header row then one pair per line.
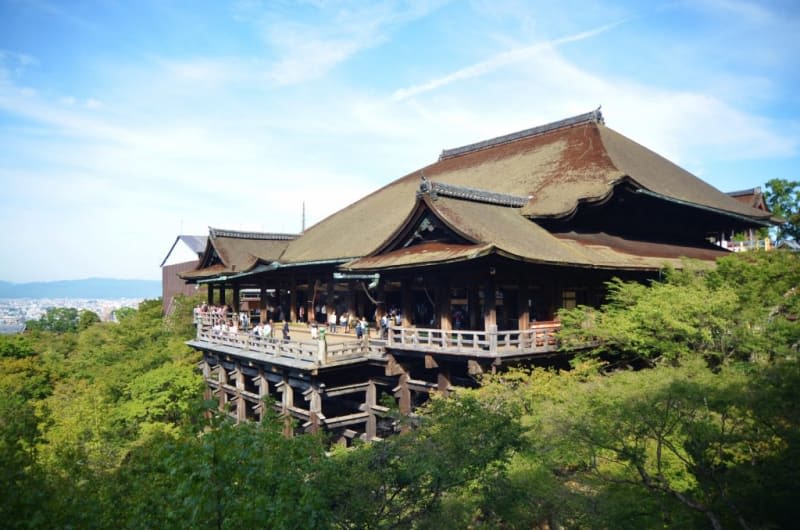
x,y
371,399
443,380
489,304
237,302
292,299
330,301
523,294
287,402
222,301
222,379
380,309
315,408
263,392
241,404
443,304
350,299
473,302
210,295
407,296
262,305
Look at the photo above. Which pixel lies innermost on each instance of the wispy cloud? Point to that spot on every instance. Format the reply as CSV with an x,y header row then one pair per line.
x,y
309,49
497,61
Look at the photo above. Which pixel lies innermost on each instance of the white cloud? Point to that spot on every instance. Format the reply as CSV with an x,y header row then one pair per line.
x,y
499,60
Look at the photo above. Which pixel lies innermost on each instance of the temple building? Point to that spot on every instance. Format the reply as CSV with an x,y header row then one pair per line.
x,y
458,268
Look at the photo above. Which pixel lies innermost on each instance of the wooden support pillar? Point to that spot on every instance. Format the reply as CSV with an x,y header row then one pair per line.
x,y
380,309
262,304
292,300
330,301
371,399
222,379
360,306
287,402
263,392
315,408
523,295
206,368
350,298
407,296
489,304
473,301
241,404
210,295
443,380
222,301
404,394
237,302
443,304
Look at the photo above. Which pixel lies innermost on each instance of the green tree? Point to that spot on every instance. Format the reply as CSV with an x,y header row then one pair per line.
x,y
56,320
87,318
783,199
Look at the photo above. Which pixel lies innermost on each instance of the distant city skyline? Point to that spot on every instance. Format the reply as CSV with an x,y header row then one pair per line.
x,y
123,125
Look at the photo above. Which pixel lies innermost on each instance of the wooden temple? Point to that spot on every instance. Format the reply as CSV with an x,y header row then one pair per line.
x,y
470,258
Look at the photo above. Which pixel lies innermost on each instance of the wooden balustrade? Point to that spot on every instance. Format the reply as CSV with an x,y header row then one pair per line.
x,y
539,338
315,352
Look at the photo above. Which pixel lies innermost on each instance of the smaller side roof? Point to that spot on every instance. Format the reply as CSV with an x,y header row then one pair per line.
x,y
195,244
233,251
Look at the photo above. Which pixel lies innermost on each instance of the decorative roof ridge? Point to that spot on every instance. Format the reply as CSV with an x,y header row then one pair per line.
x,y
218,232
738,193
435,189
590,117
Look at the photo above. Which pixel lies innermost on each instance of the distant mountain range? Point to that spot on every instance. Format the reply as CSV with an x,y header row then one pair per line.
x,y
106,288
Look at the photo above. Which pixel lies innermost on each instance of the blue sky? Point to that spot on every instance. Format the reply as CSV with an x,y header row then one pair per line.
x,y
123,124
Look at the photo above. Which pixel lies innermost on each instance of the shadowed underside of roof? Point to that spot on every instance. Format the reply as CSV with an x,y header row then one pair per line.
x,y
503,231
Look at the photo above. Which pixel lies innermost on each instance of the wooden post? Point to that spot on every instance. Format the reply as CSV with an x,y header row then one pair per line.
x,y
315,408
489,304
404,394
222,301
443,380
241,405
222,378
237,303
206,367
443,303
263,392
287,401
330,302
210,295
351,299
370,401
473,303
408,302
523,310
380,309
292,300
262,304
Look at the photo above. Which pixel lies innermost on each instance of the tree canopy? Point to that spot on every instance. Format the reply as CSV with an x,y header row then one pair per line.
x,y
682,415
783,199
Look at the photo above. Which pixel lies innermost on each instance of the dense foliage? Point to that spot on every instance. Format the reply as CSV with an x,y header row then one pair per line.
x,y
683,414
783,199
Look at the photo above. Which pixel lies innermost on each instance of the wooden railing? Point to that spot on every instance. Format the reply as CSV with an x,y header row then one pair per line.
x,y
318,353
540,338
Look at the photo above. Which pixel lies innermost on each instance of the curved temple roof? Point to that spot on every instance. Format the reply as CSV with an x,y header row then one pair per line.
x,y
555,166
